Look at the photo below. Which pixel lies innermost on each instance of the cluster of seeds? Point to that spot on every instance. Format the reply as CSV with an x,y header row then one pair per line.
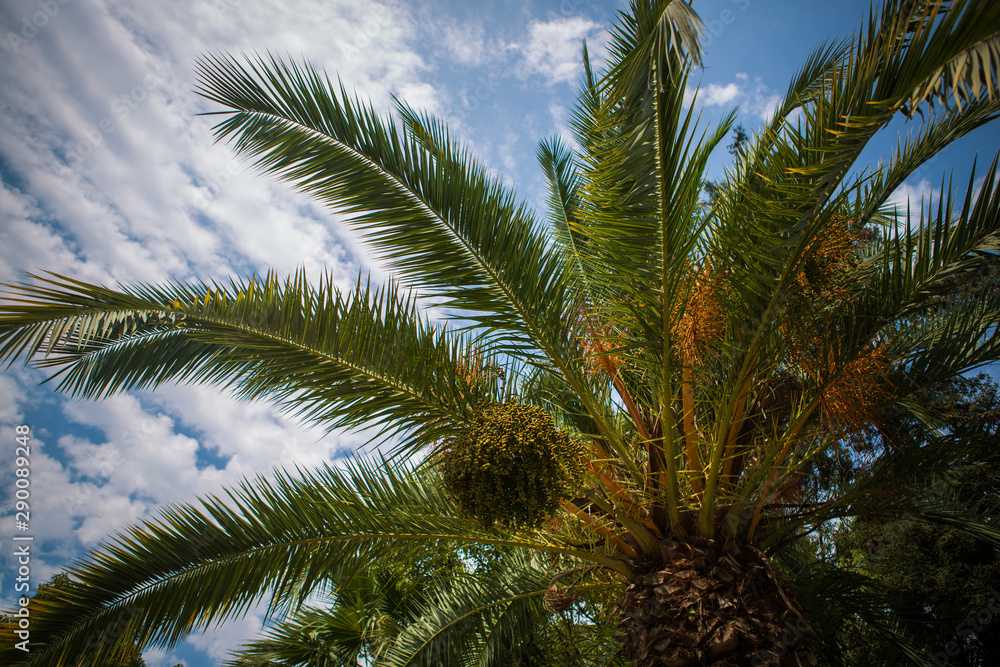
x,y
510,467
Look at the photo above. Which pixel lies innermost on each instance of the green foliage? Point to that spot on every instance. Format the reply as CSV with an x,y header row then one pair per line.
x,y
936,582
572,639
363,615
511,466
339,359
910,587
707,358
125,654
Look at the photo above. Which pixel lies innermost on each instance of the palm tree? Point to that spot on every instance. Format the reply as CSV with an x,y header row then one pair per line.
x,y
373,611
674,370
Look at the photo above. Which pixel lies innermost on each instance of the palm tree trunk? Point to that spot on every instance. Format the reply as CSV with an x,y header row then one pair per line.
x,y
708,603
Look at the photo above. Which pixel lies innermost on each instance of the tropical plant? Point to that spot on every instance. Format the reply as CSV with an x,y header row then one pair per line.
x,y
127,653
702,359
366,615
938,584
371,612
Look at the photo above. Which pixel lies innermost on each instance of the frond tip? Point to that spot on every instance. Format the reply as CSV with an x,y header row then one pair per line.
x,y
341,360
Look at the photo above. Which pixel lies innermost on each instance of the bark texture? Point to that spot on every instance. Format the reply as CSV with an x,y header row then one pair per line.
x,y
708,603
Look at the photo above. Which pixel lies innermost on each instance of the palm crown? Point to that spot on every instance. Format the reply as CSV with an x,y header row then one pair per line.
x,y
696,358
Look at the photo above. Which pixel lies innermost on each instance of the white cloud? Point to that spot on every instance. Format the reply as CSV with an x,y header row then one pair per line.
x,y
51,524
466,43
910,200
109,173
913,194
718,95
156,657
225,637
553,50
756,98
765,105
155,448
118,174
10,392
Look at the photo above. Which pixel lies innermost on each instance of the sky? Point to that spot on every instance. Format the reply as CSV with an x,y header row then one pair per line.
x,y
109,175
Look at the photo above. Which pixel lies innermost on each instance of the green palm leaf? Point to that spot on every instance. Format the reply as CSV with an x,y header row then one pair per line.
x,y
342,360
278,540
433,213
704,357
313,636
496,609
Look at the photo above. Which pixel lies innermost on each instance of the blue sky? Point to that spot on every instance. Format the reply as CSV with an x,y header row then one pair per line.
x,y
108,174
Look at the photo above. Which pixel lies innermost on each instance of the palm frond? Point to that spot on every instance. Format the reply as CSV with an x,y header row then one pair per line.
x,y
559,166
875,492
969,50
434,214
937,132
653,35
341,360
488,615
439,219
800,169
314,637
266,540
915,265
833,595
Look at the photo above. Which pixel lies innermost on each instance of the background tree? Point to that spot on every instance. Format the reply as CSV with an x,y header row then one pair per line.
x,y
363,618
941,584
124,652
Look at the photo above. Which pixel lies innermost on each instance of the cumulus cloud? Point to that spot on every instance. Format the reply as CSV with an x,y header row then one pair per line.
x,y
753,97
115,170
552,51
717,95
108,173
911,200
10,409
467,43
139,453
227,636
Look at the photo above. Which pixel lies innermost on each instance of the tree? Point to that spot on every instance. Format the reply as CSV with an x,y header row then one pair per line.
x,y
940,583
680,372
369,613
126,653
